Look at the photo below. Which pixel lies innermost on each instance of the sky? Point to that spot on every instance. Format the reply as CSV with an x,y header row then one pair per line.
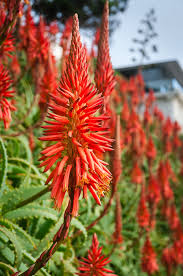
x,y
169,24
169,27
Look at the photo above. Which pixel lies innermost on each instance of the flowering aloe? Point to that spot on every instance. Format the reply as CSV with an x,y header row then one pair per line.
x,y
27,31
95,263
15,67
125,114
151,150
143,215
5,106
104,75
163,176
39,45
116,156
168,259
149,262
117,236
77,132
137,174
153,191
53,28
48,84
6,46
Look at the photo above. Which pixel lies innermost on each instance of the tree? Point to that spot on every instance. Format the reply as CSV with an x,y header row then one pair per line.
x,y
89,11
144,44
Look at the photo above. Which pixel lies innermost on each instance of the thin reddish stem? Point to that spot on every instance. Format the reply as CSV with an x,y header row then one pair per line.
x,y
57,240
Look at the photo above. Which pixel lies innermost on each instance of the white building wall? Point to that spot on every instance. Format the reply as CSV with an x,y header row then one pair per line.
x,y
171,104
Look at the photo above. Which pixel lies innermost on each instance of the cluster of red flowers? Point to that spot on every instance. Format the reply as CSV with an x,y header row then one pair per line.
x,y
95,263
157,188
8,13
5,106
77,133
37,46
82,124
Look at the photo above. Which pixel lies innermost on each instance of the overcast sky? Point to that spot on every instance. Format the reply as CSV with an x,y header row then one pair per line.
x,y
169,27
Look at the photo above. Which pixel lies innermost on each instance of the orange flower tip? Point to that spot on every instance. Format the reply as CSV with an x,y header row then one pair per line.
x,y
62,164
76,202
95,196
45,170
85,195
75,18
75,142
82,154
95,263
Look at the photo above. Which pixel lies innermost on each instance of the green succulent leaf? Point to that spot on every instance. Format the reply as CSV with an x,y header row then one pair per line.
x,y
32,211
17,247
6,267
79,225
19,195
3,166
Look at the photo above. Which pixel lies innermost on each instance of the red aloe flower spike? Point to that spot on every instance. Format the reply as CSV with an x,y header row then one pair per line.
x,y
7,23
177,252
150,99
39,45
5,106
149,262
48,84
31,141
167,128
137,175
158,114
117,236
150,150
173,218
15,67
143,215
95,263
77,133
153,197
170,171
168,260
176,142
104,75
176,127
53,28
116,155
163,177
125,114
139,79
6,46
27,32
147,118
153,191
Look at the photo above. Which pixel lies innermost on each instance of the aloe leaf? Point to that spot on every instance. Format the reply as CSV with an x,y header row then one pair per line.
x,y
3,171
